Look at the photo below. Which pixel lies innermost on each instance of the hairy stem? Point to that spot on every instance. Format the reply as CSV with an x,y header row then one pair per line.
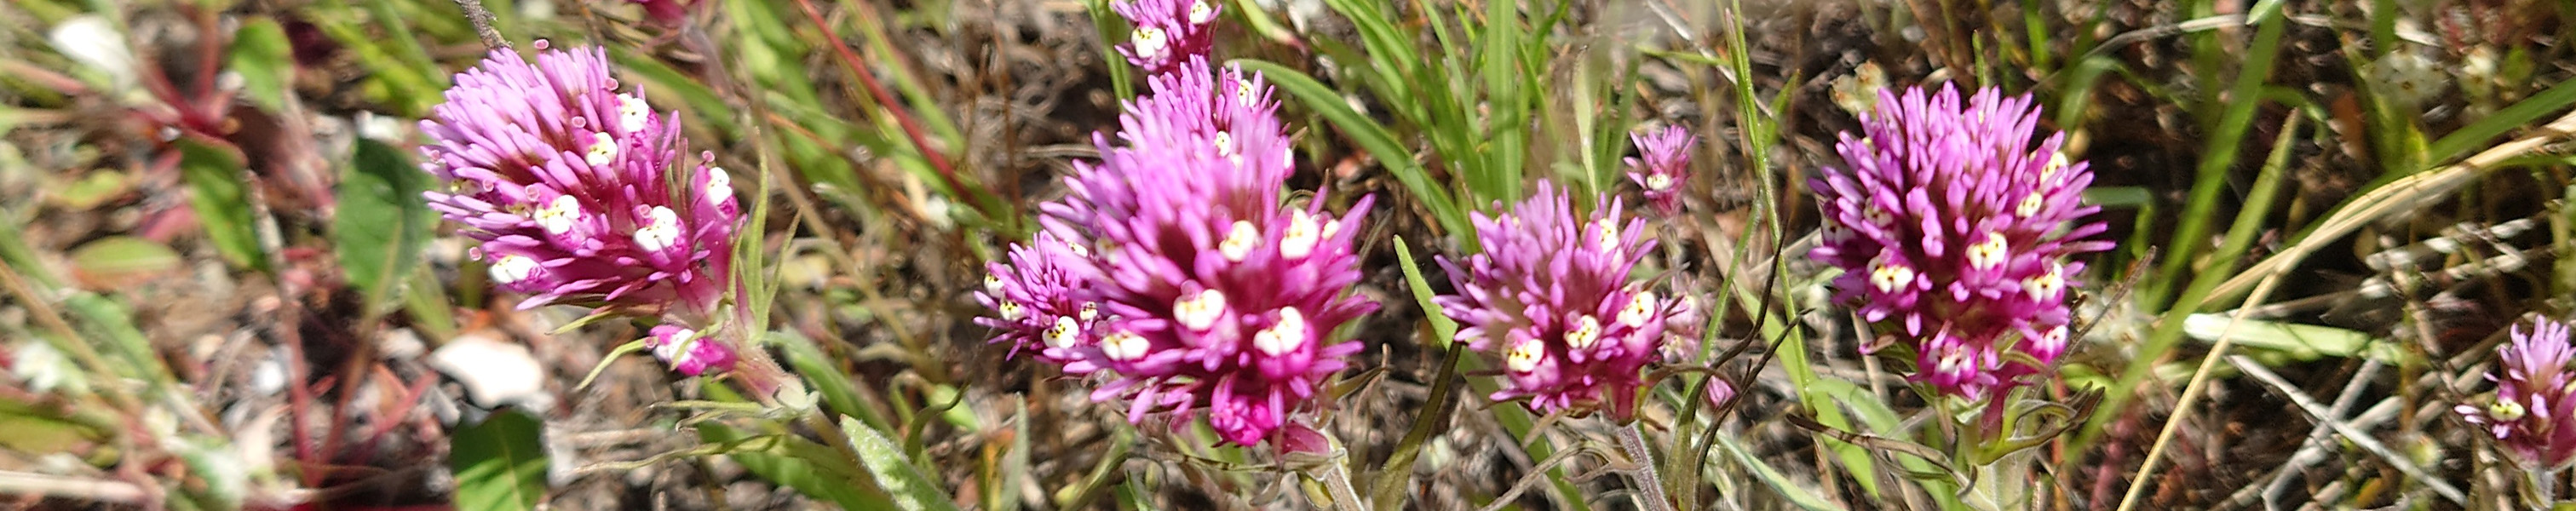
x,y
482,20
1338,480
1650,487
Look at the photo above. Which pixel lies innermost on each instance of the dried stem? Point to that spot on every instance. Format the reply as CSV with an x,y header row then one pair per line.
x,y
482,20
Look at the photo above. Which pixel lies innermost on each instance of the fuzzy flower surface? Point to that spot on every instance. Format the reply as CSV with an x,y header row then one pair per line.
x,y
1954,235
1662,166
1216,295
2533,412
1552,295
1167,34
575,191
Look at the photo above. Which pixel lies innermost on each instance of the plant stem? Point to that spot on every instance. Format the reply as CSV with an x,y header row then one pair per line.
x,y
1338,480
2544,487
1650,487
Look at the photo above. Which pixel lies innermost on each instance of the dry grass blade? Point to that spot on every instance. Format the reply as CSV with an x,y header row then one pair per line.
x,y
2401,195
2358,438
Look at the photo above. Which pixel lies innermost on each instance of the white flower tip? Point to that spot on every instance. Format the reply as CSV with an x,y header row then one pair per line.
x,y
1201,13
1985,255
1199,311
1659,182
603,150
1123,346
1639,310
1524,355
1010,310
512,268
1150,42
1586,332
661,230
719,185
1064,333
559,214
1239,241
632,113
1283,337
1888,277
1302,236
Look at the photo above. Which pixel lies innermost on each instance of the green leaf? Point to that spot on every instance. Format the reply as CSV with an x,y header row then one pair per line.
x,y
115,260
499,464
222,200
2479,134
895,473
383,223
1371,136
2306,342
266,63
1779,483
782,461
1441,325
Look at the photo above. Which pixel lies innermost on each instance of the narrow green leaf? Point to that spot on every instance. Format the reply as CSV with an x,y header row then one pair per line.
x,y
113,260
1779,483
1371,136
1508,125
266,63
222,200
1105,22
894,472
2479,134
840,393
1441,326
382,224
499,464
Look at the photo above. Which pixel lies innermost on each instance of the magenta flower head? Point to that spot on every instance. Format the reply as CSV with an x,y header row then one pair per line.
x,y
568,185
1954,235
1215,294
687,352
1167,33
1663,166
2533,412
1040,305
1551,294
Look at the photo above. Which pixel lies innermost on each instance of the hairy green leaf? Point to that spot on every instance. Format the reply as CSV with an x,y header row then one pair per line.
x,y
383,223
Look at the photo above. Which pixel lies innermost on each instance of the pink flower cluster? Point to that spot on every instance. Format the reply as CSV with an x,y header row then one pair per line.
x,y
1663,166
1954,235
1179,269
567,185
1168,34
1551,294
2533,412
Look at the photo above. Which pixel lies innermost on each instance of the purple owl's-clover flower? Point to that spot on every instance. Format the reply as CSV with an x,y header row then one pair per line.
x,y
1212,293
1040,305
1551,294
1168,34
2533,413
1954,235
1662,166
567,185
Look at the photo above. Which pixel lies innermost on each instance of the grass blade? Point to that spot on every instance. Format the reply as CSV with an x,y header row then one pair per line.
x,y
1371,136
